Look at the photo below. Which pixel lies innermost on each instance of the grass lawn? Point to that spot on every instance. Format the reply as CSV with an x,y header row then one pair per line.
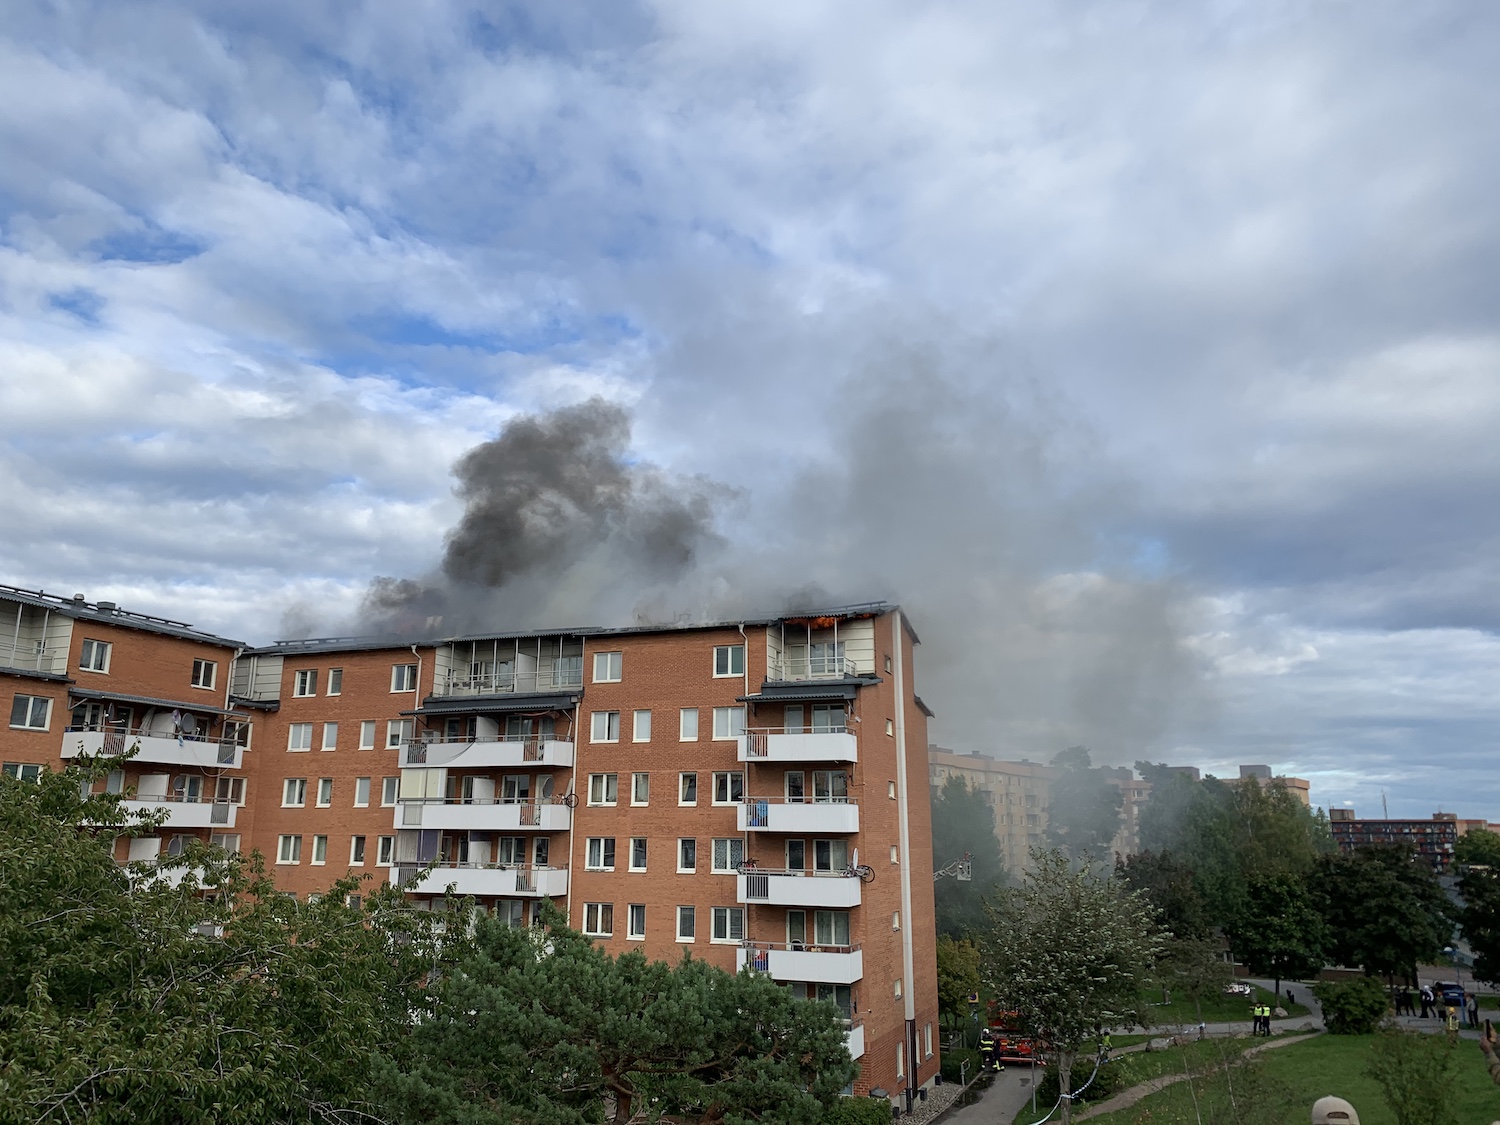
x,y
1219,1008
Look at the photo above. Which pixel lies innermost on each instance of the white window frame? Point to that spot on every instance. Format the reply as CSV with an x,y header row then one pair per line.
x,y
367,728
900,1057
24,771
682,784
27,722
724,661
299,738
640,789
728,778
335,682
304,683
634,840
726,915
682,870
403,678
609,667
601,782
927,1040
390,790
361,786
599,853
729,723
635,922
89,655
733,845
385,851
289,849
325,793
205,674
330,736
640,726
294,793
687,725
604,726
596,915
357,851
398,731
319,851
690,915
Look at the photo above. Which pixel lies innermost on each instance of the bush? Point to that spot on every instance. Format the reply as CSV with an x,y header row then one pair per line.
x,y
953,1057
1107,1083
1353,1007
859,1111
1413,1070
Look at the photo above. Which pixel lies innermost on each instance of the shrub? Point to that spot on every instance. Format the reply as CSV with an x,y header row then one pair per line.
x,y
859,1111
1107,1083
953,1057
1414,1070
1353,1007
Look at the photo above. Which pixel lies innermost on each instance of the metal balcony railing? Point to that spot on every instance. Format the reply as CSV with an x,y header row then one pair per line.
x,y
793,669
33,656
505,683
760,951
758,739
117,738
532,746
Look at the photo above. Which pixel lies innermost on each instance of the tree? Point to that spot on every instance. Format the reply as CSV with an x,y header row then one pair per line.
x,y
151,1003
1280,933
1385,910
1071,952
964,822
1167,882
539,1026
1083,811
1414,1071
1352,1007
1479,887
1479,848
957,978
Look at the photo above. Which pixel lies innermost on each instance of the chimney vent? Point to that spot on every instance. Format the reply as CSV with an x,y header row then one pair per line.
x,y
106,607
79,599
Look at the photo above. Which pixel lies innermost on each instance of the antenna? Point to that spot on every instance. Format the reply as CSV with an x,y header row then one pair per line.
x,y
1385,811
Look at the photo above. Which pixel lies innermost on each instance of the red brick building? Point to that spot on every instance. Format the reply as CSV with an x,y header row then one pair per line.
x,y
751,793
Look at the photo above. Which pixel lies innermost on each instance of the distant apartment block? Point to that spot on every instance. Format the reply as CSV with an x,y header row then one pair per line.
x,y
1018,792
750,793
1433,839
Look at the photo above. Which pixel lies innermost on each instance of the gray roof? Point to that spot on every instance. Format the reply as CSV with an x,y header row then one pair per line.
x,y
108,613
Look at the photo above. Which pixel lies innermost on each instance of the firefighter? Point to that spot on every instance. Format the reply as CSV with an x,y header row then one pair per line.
x,y
987,1059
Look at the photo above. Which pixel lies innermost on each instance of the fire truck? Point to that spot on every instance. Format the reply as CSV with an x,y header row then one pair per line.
x,y
1011,1045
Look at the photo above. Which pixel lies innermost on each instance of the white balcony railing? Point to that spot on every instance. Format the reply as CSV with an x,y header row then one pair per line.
x,y
203,751
778,744
826,889
821,964
508,683
185,812
795,669
507,880
456,814
486,753
33,656
777,814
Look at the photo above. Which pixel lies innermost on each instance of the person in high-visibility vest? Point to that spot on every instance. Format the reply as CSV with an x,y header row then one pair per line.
x,y
986,1050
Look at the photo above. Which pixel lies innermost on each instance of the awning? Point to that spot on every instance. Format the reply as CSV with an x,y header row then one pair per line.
x,y
922,707
811,690
493,704
85,695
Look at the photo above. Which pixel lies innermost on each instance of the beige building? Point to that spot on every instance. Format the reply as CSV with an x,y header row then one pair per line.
x,y
1298,787
1019,792
1134,794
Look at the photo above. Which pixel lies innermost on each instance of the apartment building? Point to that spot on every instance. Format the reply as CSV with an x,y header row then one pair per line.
x,y
90,678
1019,792
747,793
1433,840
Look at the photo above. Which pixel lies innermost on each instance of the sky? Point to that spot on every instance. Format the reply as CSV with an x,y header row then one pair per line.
x,y
1146,353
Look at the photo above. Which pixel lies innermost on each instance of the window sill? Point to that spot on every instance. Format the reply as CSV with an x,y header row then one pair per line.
x,y
201,687
33,730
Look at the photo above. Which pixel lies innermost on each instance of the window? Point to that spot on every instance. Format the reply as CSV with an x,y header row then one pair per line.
x,y
729,923
687,923
687,789
635,925
604,788
830,786
325,792
398,731
599,853
385,850
225,841
642,727
896,989
729,853
729,722
890,790
927,1041
353,902
388,788
361,792
205,672
796,929
638,853
94,656
831,927
320,849
599,919
367,735
887,663
895,854
896,920
22,771
687,855
30,712
796,855
890,726
335,682
729,788
305,682
829,718
294,793
299,737
227,790
607,666
830,855
900,1054
330,736
729,660
826,658
403,677
687,725
640,789
356,851
289,850
606,727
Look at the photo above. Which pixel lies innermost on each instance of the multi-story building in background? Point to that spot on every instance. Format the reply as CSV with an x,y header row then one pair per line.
x,y
1298,787
751,793
1019,792
1134,795
1433,839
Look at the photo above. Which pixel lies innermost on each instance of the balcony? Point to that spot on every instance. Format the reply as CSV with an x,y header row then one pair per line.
x,y
798,888
854,1038
32,656
185,812
786,669
511,683
486,880
775,745
485,816
483,754
776,814
207,753
819,964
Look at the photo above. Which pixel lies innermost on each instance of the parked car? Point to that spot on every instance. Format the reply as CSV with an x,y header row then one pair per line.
x,y
1452,993
1238,988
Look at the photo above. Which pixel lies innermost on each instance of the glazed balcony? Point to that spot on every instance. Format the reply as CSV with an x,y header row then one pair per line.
x,y
510,683
799,667
774,745
459,815
827,889
185,812
820,964
777,814
486,880
485,754
207,752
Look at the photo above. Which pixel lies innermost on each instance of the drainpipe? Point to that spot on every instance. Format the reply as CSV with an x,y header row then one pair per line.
x,y
578,713
908,959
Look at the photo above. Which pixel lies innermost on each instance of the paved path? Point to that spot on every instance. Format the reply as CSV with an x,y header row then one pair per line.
x,y
998,1105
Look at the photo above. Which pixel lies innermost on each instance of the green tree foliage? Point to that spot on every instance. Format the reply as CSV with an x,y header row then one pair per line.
x,y
1478,857
1482,848
1279,932
153,1003
1352,1007
859,1111
957,978
1071,952
1385,910
963,821
1415,1074
1168,883
1083,810
542,1027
